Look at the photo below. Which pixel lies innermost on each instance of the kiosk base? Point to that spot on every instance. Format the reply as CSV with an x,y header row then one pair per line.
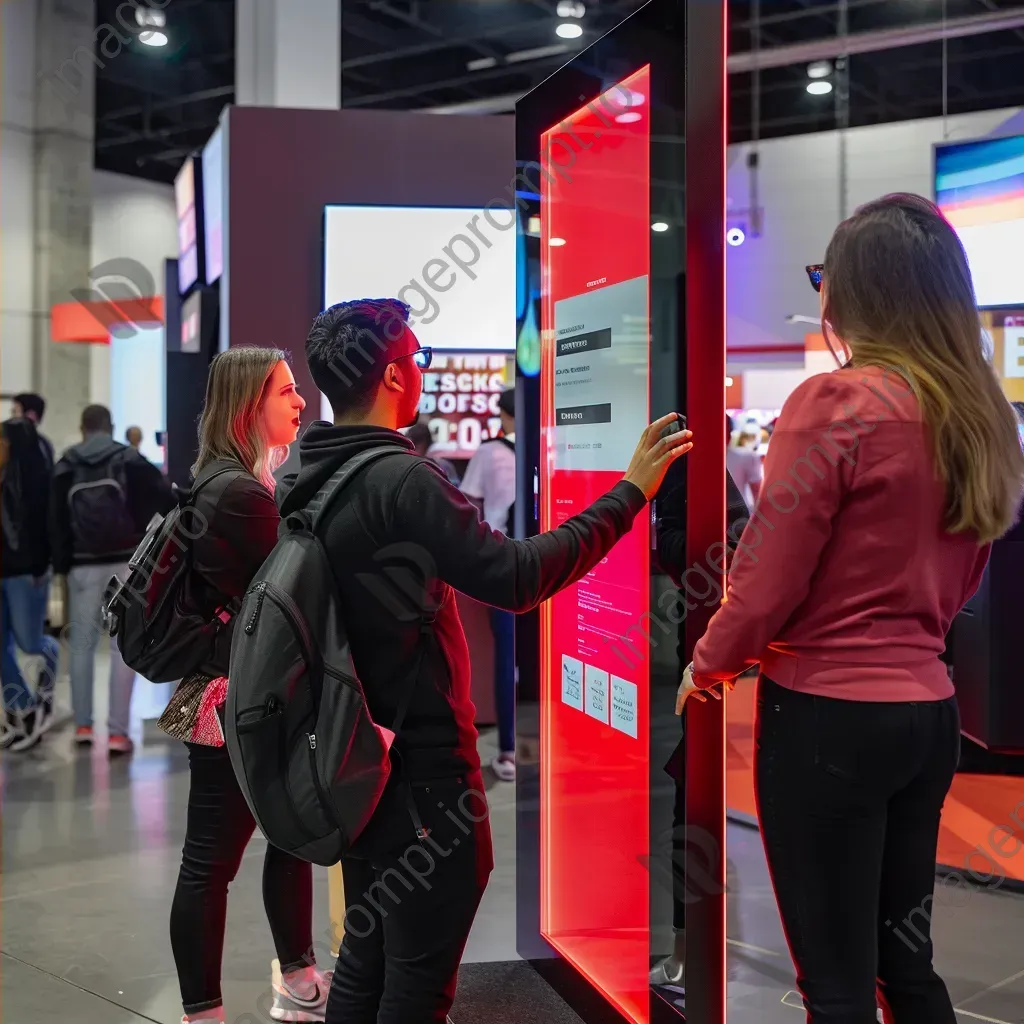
x,y
509,992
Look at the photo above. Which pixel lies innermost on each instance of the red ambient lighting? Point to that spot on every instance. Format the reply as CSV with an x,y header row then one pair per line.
x,y
595,235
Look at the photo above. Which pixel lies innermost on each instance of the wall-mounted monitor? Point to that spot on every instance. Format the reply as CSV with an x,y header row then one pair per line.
x,y
187,202
213,205
979,186
454,266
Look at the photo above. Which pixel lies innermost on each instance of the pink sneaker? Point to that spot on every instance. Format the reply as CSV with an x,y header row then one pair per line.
x,y
120,745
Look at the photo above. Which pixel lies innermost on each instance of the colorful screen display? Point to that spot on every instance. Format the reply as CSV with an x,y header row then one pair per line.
x,y
460,400
595,384
980,188
185,205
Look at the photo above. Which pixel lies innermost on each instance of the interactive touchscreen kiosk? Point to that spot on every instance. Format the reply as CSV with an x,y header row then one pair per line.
x,y
621,821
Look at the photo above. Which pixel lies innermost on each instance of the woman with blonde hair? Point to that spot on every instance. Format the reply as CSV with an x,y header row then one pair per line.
x,y
251,415
886,482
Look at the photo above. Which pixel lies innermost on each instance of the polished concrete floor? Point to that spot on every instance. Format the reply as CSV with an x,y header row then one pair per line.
x,y
90,856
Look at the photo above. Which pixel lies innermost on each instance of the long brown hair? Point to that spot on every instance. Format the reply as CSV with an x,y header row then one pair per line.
x,y
230,426
898,291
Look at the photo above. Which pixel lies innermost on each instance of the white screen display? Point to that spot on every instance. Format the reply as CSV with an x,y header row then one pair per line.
x,y
454,266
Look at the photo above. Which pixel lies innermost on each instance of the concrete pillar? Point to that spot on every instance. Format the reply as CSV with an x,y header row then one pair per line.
x,y
65,72
17,176
283,59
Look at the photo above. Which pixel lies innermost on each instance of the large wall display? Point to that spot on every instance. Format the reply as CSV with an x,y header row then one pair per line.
x,y
980,188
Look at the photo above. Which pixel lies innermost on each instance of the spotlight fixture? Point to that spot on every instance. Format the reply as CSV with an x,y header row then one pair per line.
x,y
628,117
735,236
151,22
556,242
569,30
819,69
659,226
820,87
570,9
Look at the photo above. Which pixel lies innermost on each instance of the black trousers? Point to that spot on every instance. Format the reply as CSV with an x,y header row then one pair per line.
x,y
218,829
849,795
410,904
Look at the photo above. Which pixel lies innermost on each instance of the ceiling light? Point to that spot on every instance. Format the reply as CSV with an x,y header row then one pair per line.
x,y
482,64
729,382
735,236
819,88
146,17
570,9
659,226
556,242
533,226
153,38
629,117
819,69
569,30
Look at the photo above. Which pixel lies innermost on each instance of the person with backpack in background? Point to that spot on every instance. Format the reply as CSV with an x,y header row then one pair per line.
x,y
104,495
400,540
251,415
490,482
25,577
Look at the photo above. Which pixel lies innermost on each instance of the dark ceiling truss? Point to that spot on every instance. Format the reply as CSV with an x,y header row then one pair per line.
x,y
152,108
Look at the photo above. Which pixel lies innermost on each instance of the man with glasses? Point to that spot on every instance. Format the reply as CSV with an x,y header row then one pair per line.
x,y
402,540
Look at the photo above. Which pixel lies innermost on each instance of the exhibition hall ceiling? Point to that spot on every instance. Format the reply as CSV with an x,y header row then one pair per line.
x,y
156,104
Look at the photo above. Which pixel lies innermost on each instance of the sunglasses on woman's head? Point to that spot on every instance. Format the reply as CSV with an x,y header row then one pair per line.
x,y
814,274
422,357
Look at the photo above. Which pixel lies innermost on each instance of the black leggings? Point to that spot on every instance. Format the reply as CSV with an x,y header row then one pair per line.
x,y
219,827
849,795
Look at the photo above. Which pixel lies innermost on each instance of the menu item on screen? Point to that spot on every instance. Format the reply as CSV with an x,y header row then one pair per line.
x,y
597,693
623,706
572,682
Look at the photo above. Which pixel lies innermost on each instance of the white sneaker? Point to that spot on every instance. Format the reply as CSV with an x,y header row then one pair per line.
x,y
504,767
30,726
668,974
305,1003
8,730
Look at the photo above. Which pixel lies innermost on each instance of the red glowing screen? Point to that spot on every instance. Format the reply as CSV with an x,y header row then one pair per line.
x,y
595,384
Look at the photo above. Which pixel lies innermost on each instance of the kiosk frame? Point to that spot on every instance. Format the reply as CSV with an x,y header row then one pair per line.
x,y
680,47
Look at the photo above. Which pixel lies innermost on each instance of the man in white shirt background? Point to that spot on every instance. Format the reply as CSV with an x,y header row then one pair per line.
x,y
490,481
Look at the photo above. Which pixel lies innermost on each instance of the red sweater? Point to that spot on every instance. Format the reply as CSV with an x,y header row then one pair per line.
x,y
845,583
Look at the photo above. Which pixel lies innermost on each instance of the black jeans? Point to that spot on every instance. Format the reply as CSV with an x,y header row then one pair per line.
x,y
849,795
410,904
219,827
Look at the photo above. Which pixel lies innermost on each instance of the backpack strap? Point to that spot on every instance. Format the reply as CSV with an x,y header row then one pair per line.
x,y
317,507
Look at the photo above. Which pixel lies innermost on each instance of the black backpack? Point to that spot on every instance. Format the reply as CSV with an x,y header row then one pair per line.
x,y
101,521
311,762
159,633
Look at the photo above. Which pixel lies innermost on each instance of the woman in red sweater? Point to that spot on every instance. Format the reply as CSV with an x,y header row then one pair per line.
x,y
885,483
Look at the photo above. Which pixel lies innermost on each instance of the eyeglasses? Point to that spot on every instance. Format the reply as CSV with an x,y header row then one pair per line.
x,y
422,357
815,272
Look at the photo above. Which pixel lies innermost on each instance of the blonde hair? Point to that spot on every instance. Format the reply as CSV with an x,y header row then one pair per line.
x,y
898,291
230,426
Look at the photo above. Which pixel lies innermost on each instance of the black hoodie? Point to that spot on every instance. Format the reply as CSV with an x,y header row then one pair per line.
x,y
149,494
402,539
25,500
